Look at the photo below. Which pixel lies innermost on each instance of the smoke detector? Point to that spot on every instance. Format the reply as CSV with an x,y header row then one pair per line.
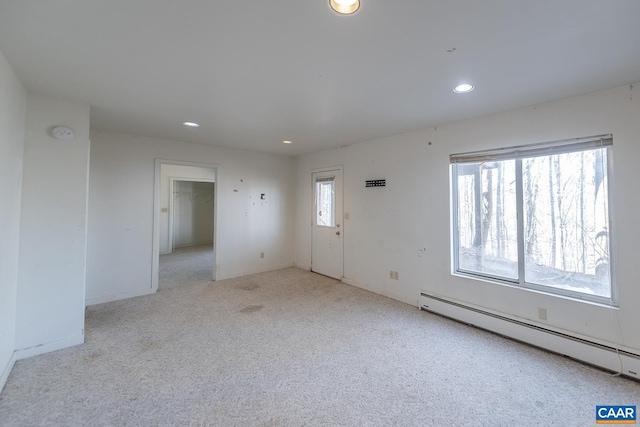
x,y
63,133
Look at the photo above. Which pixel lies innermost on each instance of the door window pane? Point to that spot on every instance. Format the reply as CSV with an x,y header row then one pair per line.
x,y
325,198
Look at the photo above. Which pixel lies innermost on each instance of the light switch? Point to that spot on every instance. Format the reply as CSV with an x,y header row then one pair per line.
x,y
164,210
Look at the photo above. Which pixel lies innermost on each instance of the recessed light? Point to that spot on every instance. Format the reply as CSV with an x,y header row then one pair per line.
x,y
345,7
191,124
287,142
463,88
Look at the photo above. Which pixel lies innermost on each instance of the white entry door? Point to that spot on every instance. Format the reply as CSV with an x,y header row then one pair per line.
x,y
327,234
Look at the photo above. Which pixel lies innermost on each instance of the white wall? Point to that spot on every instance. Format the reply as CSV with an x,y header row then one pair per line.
x,y
175,171
405,226
51,277
12,121
121,211
193,213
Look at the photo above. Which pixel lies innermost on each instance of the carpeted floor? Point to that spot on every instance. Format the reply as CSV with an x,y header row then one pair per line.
x,y
186,266
292,348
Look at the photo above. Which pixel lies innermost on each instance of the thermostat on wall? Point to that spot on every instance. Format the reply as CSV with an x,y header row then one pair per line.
x,y
63,132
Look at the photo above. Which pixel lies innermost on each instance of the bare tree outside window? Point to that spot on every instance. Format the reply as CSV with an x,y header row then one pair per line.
x,y
562,201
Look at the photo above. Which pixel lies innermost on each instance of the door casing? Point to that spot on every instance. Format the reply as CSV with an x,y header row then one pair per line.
x,y
327,249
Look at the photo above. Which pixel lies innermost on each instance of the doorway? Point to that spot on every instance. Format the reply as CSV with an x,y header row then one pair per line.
x,y
184,224
189,259
191,211
327,231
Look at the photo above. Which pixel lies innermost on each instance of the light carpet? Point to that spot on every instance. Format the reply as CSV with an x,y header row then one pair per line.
x,y
292,348
186,266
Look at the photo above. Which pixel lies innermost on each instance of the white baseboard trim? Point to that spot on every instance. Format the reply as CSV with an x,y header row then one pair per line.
x,y
586,349
380,291
188,245
302,266
256,271
23,353
7,370
116,297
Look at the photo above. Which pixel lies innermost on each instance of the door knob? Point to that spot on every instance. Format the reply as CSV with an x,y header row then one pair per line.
x,y
337,233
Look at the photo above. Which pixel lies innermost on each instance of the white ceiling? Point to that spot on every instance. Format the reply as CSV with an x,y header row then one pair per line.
x,y
254,73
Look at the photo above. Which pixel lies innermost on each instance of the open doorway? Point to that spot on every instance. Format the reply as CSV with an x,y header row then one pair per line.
x,y
184,229
190,256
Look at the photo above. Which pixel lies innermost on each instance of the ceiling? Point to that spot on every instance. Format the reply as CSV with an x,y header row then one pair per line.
x,y
255,73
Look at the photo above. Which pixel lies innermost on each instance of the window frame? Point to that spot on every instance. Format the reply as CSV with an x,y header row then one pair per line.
x,y
518,153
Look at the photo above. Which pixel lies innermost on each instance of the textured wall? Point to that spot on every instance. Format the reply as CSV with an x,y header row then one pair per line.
x,y
12,120
121,211
405,226
51,280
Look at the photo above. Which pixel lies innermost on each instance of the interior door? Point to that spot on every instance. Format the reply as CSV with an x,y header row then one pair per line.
x,y
327,234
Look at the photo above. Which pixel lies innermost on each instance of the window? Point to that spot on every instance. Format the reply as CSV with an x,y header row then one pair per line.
x,y
536,216
325,198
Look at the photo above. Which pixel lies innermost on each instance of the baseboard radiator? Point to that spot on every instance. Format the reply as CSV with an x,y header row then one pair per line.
x,y
603,354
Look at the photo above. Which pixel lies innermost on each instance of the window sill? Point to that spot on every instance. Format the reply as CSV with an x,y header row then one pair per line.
x,y
552,292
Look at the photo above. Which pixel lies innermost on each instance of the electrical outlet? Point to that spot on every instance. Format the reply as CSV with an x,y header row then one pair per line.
x,y
395,275
542,313
261,254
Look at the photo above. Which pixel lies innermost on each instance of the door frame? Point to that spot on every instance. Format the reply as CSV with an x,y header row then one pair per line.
x,y
312,211
172,180
155,261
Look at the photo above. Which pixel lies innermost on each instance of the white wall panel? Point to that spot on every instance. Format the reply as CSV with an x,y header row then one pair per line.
x,y
405,226
121,211
51,278
12,127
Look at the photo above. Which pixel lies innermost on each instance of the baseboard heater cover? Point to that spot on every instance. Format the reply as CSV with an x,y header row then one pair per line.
x,y
605,356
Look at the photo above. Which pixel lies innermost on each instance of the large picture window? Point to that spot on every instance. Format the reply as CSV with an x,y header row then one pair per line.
x,y
536,216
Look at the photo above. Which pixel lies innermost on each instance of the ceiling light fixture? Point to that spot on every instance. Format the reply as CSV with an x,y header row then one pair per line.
x,y
463,88
191,124
287,142
345,7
